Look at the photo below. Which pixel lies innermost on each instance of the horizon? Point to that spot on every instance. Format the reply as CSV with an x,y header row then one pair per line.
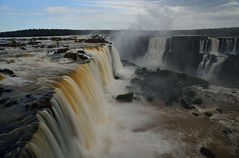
x,y
118,15
213,28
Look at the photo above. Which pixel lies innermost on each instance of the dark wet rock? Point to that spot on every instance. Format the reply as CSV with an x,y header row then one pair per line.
x,y
23,48
207,153
10,103
186,103
219,110
12,142
127,63
140,70
96,39
4,90
76,56
197,101
117,77
189,92
72,56
3,101
208,114
195,114
7,72
227,131
39,99
128,97
81,52
61,50
51,46
45,103
150,99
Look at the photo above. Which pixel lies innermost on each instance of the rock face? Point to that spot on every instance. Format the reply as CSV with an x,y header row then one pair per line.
x,y
96,39
18,112
182,53
61,50
213,56
76,56
128,97
167,85
228,71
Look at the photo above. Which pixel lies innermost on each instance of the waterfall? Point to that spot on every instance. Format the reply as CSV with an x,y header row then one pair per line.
x,y
214,46
227,46
170,45
73,126
201,48
235,46
154,55
207,60
117,64
204,64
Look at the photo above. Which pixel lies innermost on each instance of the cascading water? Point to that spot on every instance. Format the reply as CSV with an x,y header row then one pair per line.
x,y
201,49
154,55
208,57
72,127
117,64
214,46
235,46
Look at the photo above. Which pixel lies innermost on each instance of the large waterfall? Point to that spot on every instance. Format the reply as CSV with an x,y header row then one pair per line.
x,y
154,55
72,127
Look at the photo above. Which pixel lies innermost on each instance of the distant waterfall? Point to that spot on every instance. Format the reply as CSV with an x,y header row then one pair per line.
x,y
117,64
72,128
154,55
201,48
235,46
214,46
209,58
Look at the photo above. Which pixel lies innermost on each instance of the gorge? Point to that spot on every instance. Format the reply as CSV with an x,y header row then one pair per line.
x,y
59,95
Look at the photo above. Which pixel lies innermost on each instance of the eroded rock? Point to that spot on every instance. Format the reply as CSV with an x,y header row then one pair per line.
x,y
128,97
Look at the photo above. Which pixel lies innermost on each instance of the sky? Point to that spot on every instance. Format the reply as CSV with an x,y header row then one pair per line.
x,y
118,14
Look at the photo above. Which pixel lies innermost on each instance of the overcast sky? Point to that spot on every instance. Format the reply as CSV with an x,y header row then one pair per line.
x,y
118,14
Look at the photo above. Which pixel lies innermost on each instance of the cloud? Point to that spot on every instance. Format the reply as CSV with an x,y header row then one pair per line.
x,y
133,14
231,4
59,10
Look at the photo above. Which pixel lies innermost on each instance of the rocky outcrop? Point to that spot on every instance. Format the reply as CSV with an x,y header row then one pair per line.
x,y
76,56
18,116
167,85
61,50
96,39
7,72
128,97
